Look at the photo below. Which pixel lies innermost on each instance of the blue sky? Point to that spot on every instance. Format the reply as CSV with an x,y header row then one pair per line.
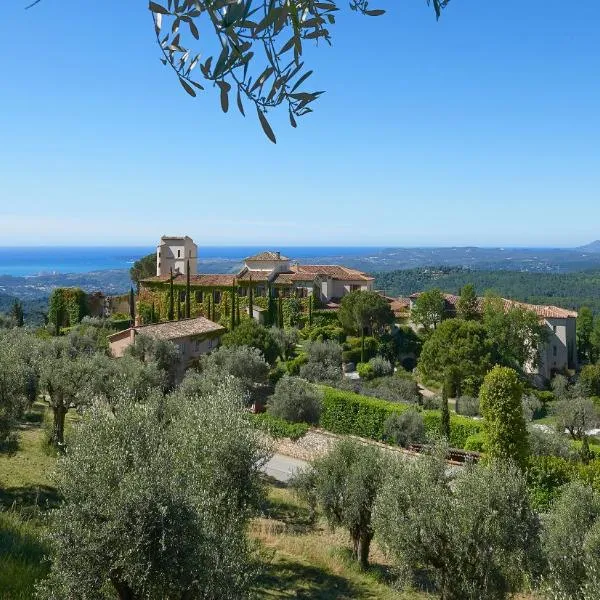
x,y
482,128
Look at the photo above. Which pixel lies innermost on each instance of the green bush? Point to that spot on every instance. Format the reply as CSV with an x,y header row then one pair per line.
x,y
545,477
293,366
351,356
475,442
120,324
405,428
349,413
365,371
279,428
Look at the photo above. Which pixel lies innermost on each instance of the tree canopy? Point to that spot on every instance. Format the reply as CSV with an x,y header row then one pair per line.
x,y
428,310
142,268
362,310
157,497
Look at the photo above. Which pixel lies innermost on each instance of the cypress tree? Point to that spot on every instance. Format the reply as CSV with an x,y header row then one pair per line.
x,y
310,308
445,417
237,309
251,299
17,312
208,313
279,313
171,310
362,344
214,308
271,306
131,306
188,291
178,306
232,320
152,314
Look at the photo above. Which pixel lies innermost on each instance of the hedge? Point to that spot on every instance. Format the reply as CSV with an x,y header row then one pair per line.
x,y
349,413
279,428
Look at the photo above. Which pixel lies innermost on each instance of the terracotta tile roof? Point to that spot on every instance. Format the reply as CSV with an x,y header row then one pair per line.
x,y
268,255
333,271
289,278
208,280
543,311
172,330
246,275
399,305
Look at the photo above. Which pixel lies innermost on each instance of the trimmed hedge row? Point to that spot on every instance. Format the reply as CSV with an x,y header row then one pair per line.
x,y
279,428
349,413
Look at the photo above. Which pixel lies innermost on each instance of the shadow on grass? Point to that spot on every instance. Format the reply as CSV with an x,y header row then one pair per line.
x,y
289,579
35,496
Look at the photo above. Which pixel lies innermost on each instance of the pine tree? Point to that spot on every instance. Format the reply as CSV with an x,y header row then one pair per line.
x,y
132,306
171,310
188,291
445,420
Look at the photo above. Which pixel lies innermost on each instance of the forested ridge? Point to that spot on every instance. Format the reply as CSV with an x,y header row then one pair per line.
x,y
568,290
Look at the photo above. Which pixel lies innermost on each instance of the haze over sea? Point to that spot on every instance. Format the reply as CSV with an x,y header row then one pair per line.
x,y
43,260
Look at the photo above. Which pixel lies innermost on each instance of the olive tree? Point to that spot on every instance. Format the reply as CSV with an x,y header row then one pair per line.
x,y
295,400
477,538
571,542
576,415
161,352
324,361
345,483
157,497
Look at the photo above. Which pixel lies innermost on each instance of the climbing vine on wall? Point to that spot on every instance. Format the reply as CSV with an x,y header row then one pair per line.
x,y
67,306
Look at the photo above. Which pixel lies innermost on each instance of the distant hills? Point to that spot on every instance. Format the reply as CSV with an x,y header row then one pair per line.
x,y
591,247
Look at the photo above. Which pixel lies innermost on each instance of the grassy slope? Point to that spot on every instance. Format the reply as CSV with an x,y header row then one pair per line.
x,y
298,560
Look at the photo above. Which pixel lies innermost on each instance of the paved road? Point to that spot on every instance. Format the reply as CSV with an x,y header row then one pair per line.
x,y
283,467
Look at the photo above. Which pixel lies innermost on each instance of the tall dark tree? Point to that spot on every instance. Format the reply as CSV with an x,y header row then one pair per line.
x,y
131,306
17,313
468,303
188,291
152,314
209,309
232,316
142,268
251,299
178,306
214,308
445,417
279,312
237,308
171,309
310,310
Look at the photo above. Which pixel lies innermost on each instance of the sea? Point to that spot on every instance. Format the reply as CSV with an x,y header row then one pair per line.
x,y
52,260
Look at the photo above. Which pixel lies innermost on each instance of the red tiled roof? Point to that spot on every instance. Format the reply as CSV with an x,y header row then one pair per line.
x,y
543,311
247,275
288,278
208,280
172,330
333,271
268,255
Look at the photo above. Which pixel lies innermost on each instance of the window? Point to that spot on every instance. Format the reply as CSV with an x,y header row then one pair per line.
x,y
159,264
178,253
554,350
217,296
182,296
199,296
159,254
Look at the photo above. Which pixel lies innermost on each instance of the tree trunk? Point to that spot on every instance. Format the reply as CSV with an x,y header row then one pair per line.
x,y
361,545
58,430
124,592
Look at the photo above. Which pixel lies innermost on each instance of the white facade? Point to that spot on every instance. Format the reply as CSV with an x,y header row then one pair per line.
x,y
559,353
174,253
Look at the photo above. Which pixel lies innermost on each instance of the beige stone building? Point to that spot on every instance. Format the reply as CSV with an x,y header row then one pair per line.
x,y
192,337
558,353
174,254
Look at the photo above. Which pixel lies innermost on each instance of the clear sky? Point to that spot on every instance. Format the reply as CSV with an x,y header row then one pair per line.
x,y
482,128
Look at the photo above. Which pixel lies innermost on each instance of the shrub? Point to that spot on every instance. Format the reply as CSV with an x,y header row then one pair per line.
x,y
324,362
252,334
351,356
431,402
350,413
295,400
542,443
504,425
571,542
532,407
279,428
381,367
326,332
320,373
405,428
467,406
394,389
293,366
545,477
365,371
475,442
